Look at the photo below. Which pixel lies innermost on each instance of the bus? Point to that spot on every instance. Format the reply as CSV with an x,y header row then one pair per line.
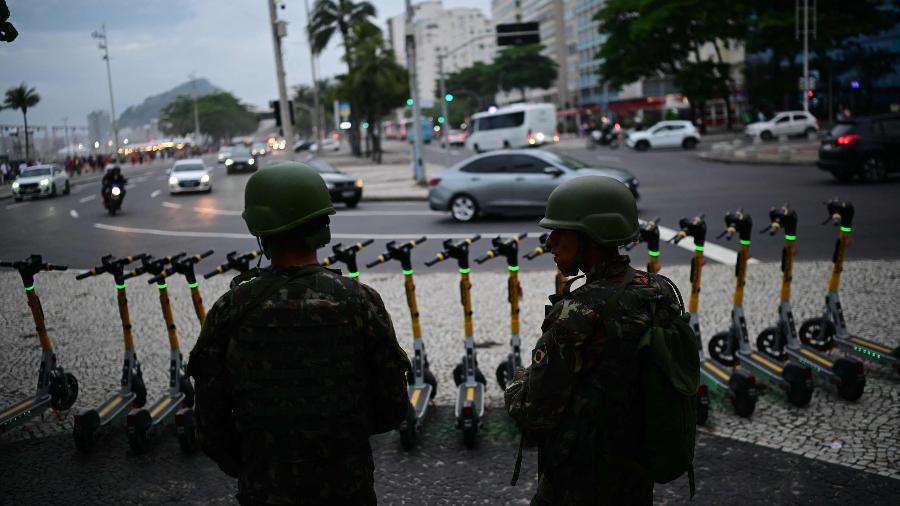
x,y
427,129
513,126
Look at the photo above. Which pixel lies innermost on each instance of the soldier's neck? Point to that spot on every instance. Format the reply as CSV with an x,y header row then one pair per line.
x,y
290,258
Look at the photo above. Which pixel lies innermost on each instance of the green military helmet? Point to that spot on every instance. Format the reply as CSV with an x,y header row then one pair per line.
x,y
601,207
283,196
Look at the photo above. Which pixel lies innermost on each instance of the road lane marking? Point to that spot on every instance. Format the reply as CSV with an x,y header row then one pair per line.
x,y
142,179
155,194
73,213
229,212
210,210
711,251
82,200
19,204
172,233
171,205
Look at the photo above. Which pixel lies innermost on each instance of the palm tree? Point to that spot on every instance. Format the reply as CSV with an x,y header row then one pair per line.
x,y
329,17
22,97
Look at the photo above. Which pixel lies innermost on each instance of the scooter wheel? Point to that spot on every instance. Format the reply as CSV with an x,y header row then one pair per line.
x,y
187,389
851,390
187,437
815,336
139,390
702,412
408,434
139,441
470,436
431,380
718,349
744,405
479,377
63,391
768,341
502,375
459,374
800,395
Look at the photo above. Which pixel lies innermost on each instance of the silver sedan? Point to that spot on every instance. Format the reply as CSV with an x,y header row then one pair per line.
x,y
514,181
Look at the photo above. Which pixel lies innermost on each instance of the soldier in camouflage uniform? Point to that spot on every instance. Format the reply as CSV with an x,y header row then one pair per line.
x,y
296,366
580,399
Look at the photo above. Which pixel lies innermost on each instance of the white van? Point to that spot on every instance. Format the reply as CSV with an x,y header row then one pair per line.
x,y
513,126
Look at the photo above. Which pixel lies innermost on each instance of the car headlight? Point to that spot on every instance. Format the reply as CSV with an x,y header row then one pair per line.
x,y
358,183
251,161
116,191
229,161
15,185
45,182
173,180
204,178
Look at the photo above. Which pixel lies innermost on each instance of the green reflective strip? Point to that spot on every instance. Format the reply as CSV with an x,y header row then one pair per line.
x,y
465,271
29,288
790,237
846,229
352,274
699,248
745,243
407,272
162,286
120,287
193,285
513,268
653,253
245,282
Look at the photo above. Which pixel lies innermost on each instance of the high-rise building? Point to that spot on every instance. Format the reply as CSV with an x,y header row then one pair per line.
x,y
439,30
99,129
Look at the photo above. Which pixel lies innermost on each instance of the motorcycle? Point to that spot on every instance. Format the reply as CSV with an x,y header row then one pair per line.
x,y
609,135
113,201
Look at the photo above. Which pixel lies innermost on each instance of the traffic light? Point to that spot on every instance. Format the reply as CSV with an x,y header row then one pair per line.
x,y
365,125
440,119
810,93
448,97
518,34
409,102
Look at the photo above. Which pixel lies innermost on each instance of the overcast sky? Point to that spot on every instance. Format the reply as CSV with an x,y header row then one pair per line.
x,y
154,46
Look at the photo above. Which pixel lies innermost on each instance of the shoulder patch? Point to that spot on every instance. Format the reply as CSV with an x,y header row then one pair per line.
x,y
539,356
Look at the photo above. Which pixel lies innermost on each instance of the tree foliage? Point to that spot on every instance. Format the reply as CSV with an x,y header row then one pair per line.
x,y
523,67
303,94
222,116
21,98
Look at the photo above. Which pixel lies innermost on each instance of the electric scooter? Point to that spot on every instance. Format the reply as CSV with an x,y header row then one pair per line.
x,y
239,263
732,347
824,332
540,249
422,384
56,388
468,378
185,267
781,342
347,256
649,235
737,386
91,423
509,248
145,424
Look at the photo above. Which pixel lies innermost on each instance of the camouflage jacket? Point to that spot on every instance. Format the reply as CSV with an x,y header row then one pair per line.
x,y
580,397
294,370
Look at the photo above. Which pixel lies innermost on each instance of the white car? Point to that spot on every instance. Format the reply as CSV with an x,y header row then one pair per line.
x,y
328,144
190,175
784,123
665,134
40,181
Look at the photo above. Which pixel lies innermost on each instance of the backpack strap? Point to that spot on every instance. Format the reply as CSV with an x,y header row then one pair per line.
x,y
518,467
609,308
691,480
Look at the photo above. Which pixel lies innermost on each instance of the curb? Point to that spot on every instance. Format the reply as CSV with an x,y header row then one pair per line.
x,y
709,158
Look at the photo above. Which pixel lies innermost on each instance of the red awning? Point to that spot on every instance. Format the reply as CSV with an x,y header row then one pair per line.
x,y
633,105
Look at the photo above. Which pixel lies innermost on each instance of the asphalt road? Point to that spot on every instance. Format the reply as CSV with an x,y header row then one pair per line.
x,y
75,230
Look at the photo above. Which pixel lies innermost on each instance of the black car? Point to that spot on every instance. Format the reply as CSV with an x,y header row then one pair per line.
x,y
240,160
342,187
868,147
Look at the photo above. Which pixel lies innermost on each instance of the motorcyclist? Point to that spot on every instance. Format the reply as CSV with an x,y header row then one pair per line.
x,y
112,177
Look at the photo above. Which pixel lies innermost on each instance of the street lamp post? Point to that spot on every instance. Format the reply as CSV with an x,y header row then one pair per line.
x,y
418,172
315,86
66,136
278,31
196,112
104,45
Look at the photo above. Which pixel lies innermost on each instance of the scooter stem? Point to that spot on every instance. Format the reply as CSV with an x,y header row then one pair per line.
x,y
465,293
841,213
122,299
410,287
37,313
513,290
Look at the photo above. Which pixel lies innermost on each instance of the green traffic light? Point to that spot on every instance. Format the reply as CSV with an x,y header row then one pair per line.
x,y
409,102
440,119
448,97
365,125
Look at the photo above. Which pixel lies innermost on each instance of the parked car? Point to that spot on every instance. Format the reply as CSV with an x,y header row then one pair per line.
x,y
40,181
328,144
784,123
868,147
240,159
515,181
513,126
303,145
190,175
342,187
665,134
224,153
456,137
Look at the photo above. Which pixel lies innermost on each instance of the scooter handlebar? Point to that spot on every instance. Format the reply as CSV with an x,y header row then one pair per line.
x,y
93,272
42,267
433,261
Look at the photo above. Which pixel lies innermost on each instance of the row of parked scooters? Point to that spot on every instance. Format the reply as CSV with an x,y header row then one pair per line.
x,y
784,359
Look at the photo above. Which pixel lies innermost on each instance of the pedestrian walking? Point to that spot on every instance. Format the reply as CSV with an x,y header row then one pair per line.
x,y
296,366
4,172
586,399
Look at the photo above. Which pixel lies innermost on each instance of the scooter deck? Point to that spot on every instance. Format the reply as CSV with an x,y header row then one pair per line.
x,y
418,398
870,350
818,361
470,393
715,374
769,368
161,410
23,411
114,407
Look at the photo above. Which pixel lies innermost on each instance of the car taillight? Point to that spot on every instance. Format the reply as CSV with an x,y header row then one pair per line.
x,y
462,136
434,181
846,140
530,135
617,126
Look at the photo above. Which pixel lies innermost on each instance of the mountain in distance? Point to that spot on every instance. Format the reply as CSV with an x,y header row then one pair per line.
x,y
139,115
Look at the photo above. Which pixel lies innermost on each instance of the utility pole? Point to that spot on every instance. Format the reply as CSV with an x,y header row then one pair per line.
x,y
806,84
196,113
66,136
279,30
104,45
445,126
416,125
315,83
